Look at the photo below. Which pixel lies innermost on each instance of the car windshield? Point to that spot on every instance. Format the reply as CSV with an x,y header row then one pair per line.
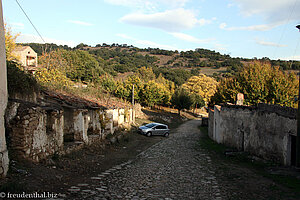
x,y
150,125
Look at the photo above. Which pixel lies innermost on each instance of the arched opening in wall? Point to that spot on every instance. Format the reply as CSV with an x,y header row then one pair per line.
x,y
68,125
50,124
90,130
90,122
293,139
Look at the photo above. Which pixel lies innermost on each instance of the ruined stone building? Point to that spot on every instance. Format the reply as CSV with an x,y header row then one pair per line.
x,y
27,57
56,124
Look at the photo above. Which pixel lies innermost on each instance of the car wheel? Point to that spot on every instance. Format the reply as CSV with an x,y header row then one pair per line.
x,y
149,134
166,134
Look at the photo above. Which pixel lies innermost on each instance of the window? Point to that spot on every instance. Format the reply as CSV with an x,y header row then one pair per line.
x,y
150,125
160,127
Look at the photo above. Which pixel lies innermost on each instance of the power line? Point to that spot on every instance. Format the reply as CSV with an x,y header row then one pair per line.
x,y
285,26
293,58
31,22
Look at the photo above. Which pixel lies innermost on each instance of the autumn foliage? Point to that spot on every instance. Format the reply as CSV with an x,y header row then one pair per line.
x,y
148,89
260,83
10,44
201,85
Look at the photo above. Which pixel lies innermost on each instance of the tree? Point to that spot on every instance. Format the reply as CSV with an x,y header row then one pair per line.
x,y
53,60
108,83
198,101
181,99
260,83
168,88
151,93
61,66
53,78
138,85
18,81
146,74
121,91
178,76
78,65
81,45
10,44
201,85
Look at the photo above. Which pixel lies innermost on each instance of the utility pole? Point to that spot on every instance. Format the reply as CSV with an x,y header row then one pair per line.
x,y
133,95
133,111
298,123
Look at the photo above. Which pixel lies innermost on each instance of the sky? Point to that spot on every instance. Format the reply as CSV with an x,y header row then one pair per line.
x,y
239,28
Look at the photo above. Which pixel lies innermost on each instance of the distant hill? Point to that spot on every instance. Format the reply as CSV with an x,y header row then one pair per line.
x,y
174,65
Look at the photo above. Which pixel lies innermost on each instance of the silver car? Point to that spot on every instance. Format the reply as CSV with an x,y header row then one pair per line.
x,y
154,129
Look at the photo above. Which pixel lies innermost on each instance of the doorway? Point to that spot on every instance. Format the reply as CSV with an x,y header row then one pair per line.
x,y
293,149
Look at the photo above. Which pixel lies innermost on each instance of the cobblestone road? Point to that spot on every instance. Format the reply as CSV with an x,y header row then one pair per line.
x,y
171,169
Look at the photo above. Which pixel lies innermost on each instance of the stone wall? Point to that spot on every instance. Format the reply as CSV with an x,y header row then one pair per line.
x,y
29,97
80,121
94,126
4,162
138,111
263,130
119,117
37,132
34,132
210,123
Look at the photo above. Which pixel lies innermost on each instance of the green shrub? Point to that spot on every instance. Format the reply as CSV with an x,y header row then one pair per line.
x,y
19,81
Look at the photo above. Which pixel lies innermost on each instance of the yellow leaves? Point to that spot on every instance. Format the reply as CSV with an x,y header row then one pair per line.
x,y
259,82
201,85
54,59
121,91
52,77
146,73
10,44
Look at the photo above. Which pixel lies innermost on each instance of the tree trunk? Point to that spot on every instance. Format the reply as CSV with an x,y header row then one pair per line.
x,y
195,109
